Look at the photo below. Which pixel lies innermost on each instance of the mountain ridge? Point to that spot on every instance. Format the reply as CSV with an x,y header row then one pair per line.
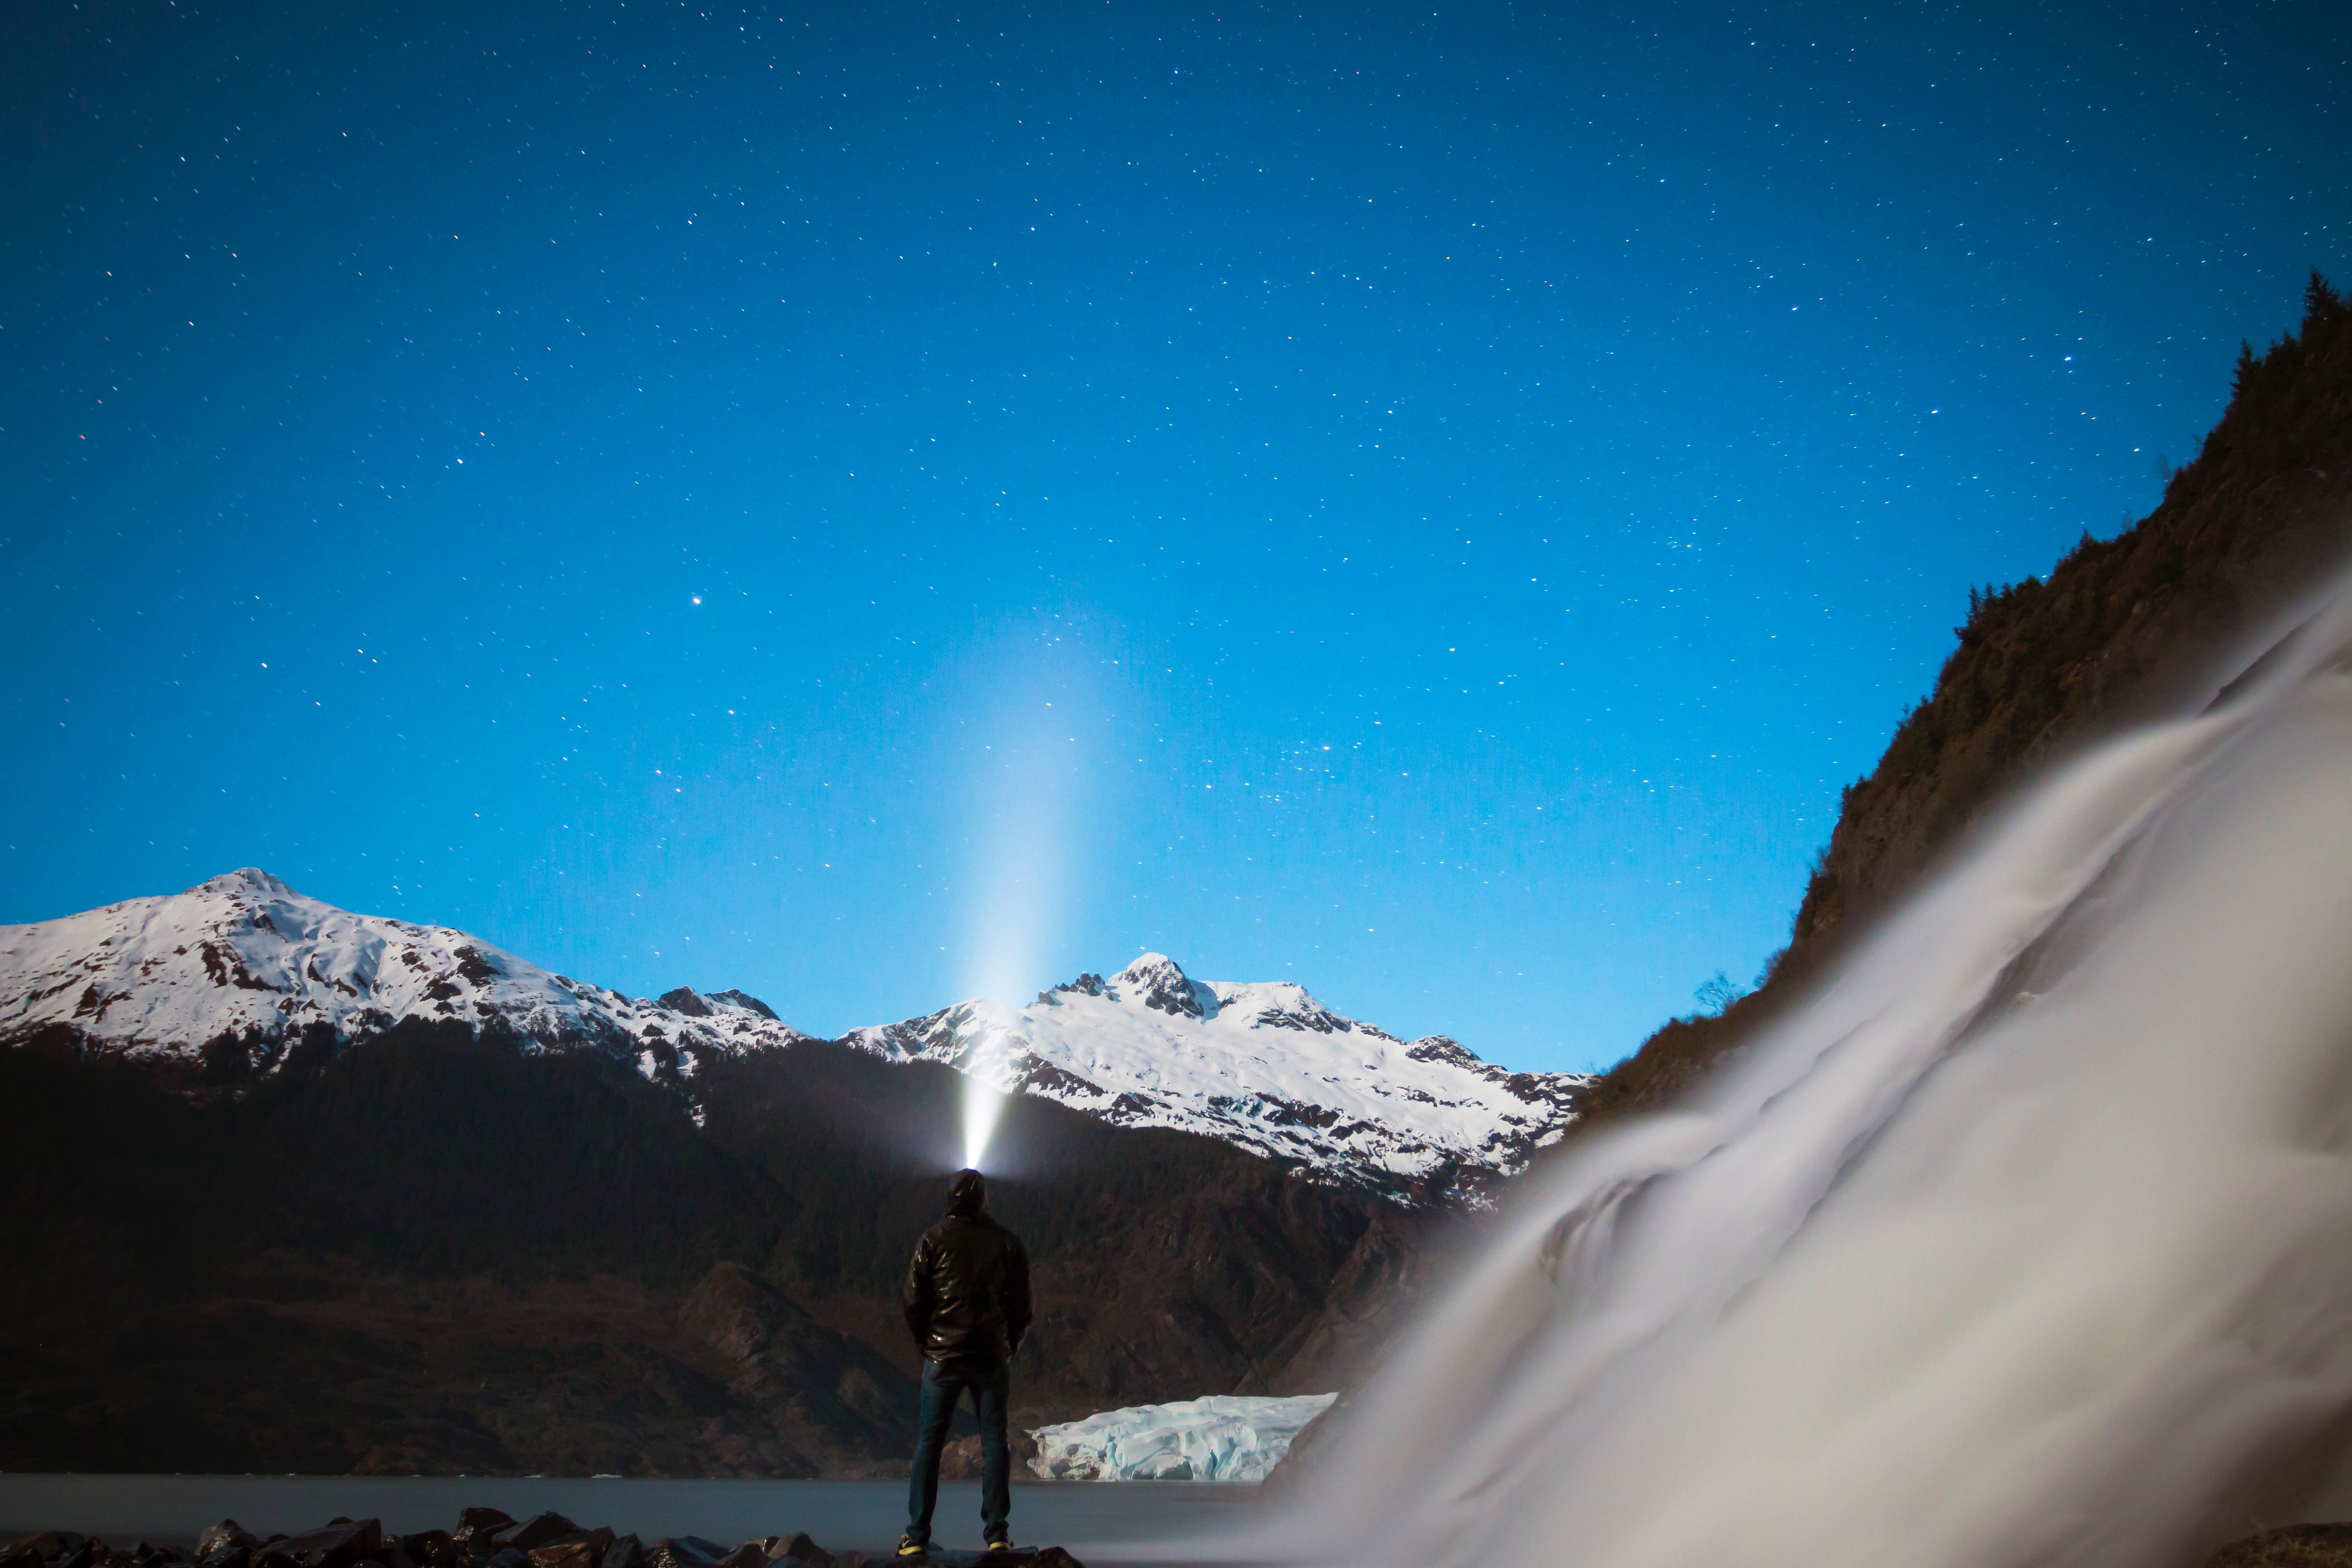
x,y
242,977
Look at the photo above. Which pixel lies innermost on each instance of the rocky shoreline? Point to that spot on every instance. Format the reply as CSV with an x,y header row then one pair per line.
x,y
484,1538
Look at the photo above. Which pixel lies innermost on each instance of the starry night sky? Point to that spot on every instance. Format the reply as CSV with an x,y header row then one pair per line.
x,y
876,504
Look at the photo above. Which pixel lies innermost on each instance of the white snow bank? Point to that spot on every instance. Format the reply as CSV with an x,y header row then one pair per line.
x,y
1220,1438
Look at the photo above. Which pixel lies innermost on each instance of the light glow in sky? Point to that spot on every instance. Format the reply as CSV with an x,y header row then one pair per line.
x,y
1473,485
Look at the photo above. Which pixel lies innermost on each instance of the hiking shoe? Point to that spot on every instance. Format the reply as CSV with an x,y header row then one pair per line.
x,y
999,1545
908,1547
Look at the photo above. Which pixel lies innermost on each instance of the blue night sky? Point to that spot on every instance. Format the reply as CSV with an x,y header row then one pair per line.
x,y
876,504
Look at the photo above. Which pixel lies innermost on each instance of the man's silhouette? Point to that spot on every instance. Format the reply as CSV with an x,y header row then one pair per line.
x,y
967,1303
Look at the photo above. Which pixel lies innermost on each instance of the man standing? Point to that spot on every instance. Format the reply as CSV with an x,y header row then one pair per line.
x,y
967,1303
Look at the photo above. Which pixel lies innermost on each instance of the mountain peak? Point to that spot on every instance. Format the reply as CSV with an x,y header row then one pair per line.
x,y
218,984
1260,1065
226,976
1155,980
245,880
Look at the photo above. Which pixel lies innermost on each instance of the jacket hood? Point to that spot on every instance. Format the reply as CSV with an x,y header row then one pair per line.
x,y
969,1196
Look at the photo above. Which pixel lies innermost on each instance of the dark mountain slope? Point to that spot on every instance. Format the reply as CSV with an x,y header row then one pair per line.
x,y
2113,633
433,1251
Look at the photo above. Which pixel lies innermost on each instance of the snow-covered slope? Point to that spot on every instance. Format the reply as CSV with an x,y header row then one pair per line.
x,y
248,957
1220,1437
229,977
1260,1065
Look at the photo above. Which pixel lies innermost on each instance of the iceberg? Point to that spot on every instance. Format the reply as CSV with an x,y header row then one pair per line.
x,y
1218,1437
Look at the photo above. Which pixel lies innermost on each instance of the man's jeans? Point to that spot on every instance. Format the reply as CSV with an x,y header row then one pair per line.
x,y
942,1390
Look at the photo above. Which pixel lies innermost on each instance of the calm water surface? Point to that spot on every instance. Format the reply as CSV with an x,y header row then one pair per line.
x,y
1165,1522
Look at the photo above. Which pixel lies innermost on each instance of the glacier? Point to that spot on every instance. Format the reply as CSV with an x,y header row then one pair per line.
x,y
1217,1438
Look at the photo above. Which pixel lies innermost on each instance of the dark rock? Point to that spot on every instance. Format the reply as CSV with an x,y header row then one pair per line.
x,y
429,1549
532,1532
1167,987
82,1555
582,1549
508,1557
750,1554
475,1526
40,1548
2291,1546
746,1000
335,1545
800,1549
228,1532
229,1554
684,1552
626,1552
1055,1557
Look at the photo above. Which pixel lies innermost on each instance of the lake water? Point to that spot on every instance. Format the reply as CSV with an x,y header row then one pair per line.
x,y
1166,1521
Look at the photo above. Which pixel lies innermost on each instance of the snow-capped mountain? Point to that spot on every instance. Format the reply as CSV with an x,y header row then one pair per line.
x,y
245,963
1262,1065
247,957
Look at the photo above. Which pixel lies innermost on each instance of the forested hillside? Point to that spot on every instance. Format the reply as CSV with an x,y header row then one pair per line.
x,y
429,1251
2112,633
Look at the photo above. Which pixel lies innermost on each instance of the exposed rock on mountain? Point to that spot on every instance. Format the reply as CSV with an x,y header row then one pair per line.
x,y
242,978
1262,1066
235,977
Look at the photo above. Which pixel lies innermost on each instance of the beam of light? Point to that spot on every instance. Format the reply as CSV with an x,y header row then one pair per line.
x,y
1032,739
989,1038
982,1104
2027,1240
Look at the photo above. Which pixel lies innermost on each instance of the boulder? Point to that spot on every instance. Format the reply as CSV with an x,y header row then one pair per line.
x,y
684,1552
430,1549
534,1533
626,1552
41,1548
1054,1557
475,1525
229,1554
336,1545
800,1549
582,1549
228,1532
750,1554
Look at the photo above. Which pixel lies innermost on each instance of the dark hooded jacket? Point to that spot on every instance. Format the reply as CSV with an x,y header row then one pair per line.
x,y
967,1292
